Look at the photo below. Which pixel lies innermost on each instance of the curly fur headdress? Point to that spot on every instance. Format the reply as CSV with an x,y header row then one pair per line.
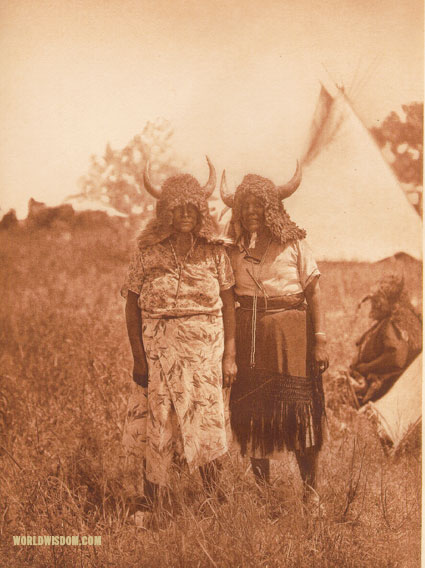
x,y
277,220
178,190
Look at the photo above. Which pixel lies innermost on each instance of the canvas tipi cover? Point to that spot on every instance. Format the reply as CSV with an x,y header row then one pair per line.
x,y
349,201
400,410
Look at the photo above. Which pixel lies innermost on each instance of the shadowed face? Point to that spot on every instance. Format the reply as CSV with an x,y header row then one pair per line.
x,y
379,308
252,214
185,218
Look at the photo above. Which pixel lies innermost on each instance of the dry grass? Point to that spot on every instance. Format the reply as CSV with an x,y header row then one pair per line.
x,y
65,381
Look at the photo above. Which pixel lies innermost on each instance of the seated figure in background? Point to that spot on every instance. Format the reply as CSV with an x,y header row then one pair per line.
x,y
390,345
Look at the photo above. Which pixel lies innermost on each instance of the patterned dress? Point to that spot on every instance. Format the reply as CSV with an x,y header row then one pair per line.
x,y
181,412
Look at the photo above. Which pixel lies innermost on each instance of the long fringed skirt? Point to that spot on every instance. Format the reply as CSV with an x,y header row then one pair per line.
x,y
278,404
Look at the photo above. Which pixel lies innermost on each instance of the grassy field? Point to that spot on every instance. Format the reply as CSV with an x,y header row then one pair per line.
x,y
65,380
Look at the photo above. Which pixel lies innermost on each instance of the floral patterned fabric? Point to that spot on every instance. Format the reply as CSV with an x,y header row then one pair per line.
x,y
165,291
182,410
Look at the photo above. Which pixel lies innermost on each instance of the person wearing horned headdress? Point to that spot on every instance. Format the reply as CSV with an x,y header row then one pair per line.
x,y
180,321
276,402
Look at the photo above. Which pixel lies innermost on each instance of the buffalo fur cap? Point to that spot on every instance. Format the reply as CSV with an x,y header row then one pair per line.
x,y
179,190
277,220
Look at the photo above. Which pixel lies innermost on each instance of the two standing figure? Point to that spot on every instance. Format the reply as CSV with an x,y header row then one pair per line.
x,y
181,324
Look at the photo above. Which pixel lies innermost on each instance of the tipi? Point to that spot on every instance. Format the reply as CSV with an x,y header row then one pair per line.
x,y
349,201
399,412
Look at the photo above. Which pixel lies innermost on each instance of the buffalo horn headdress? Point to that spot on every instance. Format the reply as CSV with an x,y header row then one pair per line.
x,y
178,190
207,189
276,219
283,191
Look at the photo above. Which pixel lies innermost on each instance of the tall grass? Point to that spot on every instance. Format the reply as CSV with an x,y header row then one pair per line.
x,y
65,381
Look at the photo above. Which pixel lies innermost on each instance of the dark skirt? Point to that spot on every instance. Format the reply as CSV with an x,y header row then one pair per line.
x,y
278,403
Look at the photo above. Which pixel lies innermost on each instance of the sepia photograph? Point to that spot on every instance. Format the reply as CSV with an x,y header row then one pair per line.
x,y
211,270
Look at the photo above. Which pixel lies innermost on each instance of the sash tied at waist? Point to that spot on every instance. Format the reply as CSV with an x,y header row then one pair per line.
x,y
265,304
275,303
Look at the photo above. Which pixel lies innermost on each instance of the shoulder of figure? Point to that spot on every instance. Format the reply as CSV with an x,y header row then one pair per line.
x,y
303,243
304,248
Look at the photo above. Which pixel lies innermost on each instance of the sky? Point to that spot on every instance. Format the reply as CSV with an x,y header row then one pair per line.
x,y
238,80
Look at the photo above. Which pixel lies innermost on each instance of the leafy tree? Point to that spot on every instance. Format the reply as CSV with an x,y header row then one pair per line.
x,y
403,137
116,178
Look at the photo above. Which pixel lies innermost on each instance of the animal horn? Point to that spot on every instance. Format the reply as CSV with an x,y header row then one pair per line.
x,y
226,196
288,189
148,185
212,180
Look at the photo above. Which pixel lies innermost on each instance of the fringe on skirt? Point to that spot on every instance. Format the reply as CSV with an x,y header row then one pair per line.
x,y
271,413
278,404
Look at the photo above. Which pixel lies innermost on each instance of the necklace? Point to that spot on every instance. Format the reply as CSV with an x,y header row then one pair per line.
x,y
256,278
257,262
181,264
